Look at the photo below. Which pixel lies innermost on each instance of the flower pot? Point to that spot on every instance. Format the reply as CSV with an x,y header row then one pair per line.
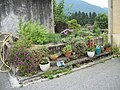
x,y
44,67
103,50
68,54
98,50
54,57
107,49
90,53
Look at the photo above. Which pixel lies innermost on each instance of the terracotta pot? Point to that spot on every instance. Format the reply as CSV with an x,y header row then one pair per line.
x,y
54,57
68,54
103,50
108,49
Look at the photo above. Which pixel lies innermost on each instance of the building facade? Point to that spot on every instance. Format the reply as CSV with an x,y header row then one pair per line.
x,y
114,21
12,10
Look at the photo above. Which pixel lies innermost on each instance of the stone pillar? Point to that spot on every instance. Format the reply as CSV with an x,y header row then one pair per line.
x,y
115,21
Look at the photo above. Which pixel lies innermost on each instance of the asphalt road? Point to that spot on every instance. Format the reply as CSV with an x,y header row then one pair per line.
x,y
103,76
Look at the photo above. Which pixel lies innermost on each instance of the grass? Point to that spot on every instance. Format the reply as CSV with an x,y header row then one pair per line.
x,y
50,74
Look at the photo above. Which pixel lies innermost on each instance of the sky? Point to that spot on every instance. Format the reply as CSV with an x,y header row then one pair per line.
x,y
101,3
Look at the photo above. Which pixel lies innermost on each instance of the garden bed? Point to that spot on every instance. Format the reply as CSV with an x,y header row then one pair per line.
x,y
73,63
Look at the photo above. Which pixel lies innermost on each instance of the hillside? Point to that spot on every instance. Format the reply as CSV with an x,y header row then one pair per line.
x,y
79,5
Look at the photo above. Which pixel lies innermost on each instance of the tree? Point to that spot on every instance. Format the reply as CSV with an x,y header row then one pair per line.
x,y
101,21
58,10
73,24
83,18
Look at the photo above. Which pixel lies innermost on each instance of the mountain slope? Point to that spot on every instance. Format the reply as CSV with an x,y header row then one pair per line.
x,y
79,5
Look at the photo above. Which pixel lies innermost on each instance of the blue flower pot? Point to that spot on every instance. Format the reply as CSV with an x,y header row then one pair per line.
x,y
98,50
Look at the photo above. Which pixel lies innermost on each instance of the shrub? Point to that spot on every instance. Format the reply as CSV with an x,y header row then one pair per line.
x,y
33,31
23,59
36,33
39,52
116,50
84,33
54,38
23,43
80,48
74,25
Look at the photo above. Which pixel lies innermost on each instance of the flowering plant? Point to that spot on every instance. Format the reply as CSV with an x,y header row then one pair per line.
x,y
91,47
23,59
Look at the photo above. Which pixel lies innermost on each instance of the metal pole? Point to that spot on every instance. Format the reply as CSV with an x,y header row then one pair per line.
x,y
111,21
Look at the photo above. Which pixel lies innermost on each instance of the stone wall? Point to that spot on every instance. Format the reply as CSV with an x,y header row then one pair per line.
x,y
12,10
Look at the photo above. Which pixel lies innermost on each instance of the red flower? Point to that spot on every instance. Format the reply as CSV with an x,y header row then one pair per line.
x,y
90,45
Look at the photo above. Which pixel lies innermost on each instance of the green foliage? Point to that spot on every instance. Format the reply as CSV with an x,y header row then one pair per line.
x,y
22,59
58,10
23,43
45,51
55,38
84,32
80,47
91,49
51,73
116,50
101,21
67,48
96,31
105,38
45,60
39,52
83,18
36,33
16,46
72,24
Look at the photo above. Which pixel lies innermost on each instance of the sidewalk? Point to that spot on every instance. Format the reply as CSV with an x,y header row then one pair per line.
x,y
103,76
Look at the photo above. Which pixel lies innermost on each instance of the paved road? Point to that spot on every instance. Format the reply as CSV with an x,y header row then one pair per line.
x,y
104,76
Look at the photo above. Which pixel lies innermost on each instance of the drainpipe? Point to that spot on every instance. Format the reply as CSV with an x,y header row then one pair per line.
x,y
111,21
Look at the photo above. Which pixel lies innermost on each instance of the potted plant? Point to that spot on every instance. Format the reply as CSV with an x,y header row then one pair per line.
x,y
91,50
105,42
80,47
67,50
102,49
107,47
44,64
54,57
